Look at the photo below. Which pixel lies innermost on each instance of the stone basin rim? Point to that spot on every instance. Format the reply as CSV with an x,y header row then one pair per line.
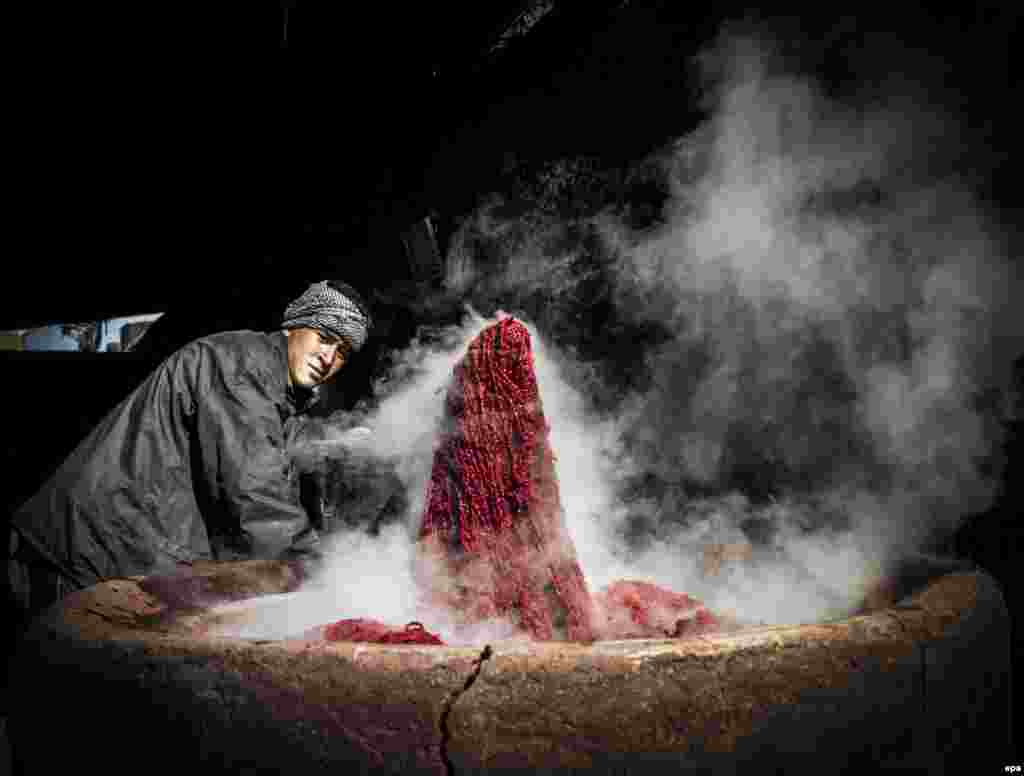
x,y
893,682
120,610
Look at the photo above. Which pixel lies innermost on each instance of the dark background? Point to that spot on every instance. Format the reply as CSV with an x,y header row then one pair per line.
x,y
187,159
168,152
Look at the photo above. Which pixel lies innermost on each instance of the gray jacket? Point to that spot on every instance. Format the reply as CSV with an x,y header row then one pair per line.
x,y
194,464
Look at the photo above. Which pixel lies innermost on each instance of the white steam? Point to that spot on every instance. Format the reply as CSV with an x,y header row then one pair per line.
x,y
834,310
811,256
833,314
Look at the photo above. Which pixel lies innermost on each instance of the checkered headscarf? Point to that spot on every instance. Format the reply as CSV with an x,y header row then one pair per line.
x,y
325,307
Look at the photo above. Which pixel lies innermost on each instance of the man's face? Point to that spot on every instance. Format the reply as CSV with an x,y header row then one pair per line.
x,y
314,357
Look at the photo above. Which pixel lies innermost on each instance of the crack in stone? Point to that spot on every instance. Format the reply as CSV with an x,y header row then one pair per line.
x,y
446,733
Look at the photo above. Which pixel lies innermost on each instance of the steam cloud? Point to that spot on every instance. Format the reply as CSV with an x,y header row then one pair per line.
x,y
807,348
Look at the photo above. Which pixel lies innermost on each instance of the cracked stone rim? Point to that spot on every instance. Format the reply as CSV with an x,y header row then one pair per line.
x,y
515,705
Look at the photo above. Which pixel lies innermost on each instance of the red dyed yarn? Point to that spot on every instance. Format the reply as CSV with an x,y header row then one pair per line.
x,y
493,541
492,406
642,610
379,633
493,521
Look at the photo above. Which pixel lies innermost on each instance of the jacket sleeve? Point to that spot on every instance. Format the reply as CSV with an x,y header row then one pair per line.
x,y
242,471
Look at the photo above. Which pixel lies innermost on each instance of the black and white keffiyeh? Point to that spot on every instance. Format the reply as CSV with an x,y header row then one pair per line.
x,y
324,307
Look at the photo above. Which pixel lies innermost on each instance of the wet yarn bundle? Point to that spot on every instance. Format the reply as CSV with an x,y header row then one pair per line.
x,y
493,542
634,609
492,539
378,633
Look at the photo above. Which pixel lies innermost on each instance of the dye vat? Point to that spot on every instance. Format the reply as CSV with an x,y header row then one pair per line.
x,y
131,674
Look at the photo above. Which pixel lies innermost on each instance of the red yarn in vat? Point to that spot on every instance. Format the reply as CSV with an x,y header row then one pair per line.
x,y
379,633
493,541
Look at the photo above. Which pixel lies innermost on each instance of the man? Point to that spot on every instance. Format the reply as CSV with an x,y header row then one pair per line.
x,y
194,464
